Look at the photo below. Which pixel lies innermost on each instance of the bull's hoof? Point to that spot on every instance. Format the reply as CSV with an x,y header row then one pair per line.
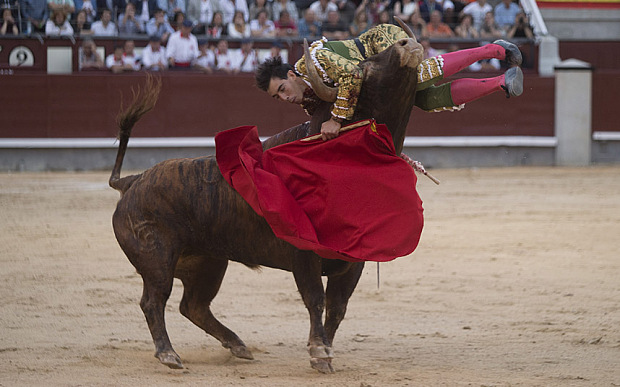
x,y
320,351
171,359
242,352
322,365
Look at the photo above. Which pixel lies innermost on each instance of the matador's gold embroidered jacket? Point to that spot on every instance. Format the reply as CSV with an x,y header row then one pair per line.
x,y
336,62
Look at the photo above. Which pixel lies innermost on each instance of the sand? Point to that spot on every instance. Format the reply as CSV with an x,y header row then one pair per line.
x,y
516,282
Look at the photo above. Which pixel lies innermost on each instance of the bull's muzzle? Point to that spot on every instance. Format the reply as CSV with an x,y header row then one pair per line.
x,y
410,51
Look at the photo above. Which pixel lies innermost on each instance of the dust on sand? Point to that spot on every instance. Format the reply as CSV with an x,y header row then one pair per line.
x,y
515,282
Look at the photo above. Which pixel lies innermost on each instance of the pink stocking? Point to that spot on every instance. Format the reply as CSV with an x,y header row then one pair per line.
x,y
455,61
467,89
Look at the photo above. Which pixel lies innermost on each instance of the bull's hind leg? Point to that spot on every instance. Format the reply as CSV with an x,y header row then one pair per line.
x,y
201,279
157,289
307,273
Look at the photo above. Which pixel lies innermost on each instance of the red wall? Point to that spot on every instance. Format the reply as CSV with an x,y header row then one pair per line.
x,y
192,104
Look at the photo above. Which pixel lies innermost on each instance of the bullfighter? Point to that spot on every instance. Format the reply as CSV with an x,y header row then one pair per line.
x,y
337,63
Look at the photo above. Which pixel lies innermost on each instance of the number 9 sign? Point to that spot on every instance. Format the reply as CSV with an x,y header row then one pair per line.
x,y
21,56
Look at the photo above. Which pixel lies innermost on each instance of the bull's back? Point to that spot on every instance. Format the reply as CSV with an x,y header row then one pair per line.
x,y
187,206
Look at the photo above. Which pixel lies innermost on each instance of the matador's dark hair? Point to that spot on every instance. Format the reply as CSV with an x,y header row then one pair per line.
x,y
271,68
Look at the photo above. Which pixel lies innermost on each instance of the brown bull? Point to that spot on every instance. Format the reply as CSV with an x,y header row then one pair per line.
x,y
181,219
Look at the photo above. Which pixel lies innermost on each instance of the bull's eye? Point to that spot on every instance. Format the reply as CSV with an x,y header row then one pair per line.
x,y
403,43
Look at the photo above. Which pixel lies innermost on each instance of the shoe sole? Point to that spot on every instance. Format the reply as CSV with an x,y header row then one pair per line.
x,y
513,54
514,81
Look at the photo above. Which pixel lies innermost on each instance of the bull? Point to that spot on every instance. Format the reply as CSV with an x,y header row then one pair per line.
x,y
181,219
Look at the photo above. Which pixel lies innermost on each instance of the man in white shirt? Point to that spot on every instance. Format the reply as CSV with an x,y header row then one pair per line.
x,y
477,10
182,48
228,8
321,9
262,27
104,27
154,55
206,59
245,59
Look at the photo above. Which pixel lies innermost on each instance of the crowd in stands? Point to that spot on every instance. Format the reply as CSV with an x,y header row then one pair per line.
x,y
194,33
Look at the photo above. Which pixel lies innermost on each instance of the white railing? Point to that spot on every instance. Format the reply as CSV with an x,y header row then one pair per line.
x,y
536,20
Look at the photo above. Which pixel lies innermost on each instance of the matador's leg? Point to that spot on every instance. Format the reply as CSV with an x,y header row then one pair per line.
x,y
455,61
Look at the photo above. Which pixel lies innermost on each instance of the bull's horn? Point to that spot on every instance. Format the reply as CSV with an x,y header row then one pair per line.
x,y
404,26
322,91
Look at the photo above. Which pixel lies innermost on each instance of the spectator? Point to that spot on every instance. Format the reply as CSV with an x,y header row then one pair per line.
x,y
257,5
309,26
89,9
383,17
128,23
144,10
104,27
346,8
284,5
449,16
200,12
427,7
404,8
114,6
223,58
228,8
58,25
177,21
171,7
322,8
115,63
246,58
130,59
8,25
154,55
261,27
239,28
417,25
217,29
490,30
206,59
334,29
66,6
81,26
436,28
360,23
465,29
521,28
429,52
182,47
159,26
477,10
35,12
89,59
275,51
285,27
505,14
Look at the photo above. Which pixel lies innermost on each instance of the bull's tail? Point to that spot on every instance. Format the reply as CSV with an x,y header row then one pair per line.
x,y
143,101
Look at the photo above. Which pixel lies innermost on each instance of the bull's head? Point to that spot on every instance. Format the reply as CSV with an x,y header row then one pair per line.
x,y
388,89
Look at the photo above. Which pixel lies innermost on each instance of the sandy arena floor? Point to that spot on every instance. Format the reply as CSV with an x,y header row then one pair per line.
x,y
516,282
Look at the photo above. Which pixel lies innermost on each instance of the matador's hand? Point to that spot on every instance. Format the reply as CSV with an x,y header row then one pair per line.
x,y
330,129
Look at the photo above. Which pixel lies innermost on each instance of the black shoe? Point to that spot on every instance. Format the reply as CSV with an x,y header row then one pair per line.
x,y
513,55
513,84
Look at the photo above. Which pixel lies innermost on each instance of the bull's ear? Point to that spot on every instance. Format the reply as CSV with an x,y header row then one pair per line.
x,y
322,91
405,27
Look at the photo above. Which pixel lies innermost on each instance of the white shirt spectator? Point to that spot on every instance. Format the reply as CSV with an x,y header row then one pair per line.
x,y
224,61
184,49
255,26
151,59
52,29
477,12
133,60
233,33
321,14
228,8
207,60
100,30
244,64
111,60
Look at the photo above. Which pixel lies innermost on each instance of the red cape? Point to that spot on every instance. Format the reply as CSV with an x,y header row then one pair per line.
x,y
349,198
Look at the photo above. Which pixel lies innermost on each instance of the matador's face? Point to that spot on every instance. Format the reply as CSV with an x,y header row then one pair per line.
x,y
290,89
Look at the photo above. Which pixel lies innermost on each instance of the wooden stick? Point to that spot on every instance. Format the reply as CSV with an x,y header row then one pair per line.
x,y
342,129
433,178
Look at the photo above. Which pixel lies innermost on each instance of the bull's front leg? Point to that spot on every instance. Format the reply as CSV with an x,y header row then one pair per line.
x,y
307,273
